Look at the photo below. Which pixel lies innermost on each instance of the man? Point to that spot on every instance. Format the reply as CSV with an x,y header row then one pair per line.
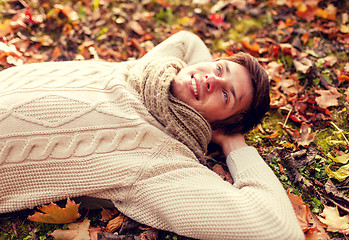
x,y
134,132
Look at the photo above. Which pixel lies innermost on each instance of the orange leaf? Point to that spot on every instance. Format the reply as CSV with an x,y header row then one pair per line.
x,y
329,13
342,78
312,227
5,28
252,47
56,53
115,223
273,135
305,37
52,213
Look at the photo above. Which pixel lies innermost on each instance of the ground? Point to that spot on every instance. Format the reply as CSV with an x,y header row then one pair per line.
x,y
303,45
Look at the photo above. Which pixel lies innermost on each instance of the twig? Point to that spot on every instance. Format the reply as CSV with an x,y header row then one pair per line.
x,y
341,131
288,115
3,229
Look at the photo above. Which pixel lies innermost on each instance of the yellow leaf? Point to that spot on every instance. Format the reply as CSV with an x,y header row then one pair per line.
x,y
5,28
52,213
341,174
77,231
342,159
334,222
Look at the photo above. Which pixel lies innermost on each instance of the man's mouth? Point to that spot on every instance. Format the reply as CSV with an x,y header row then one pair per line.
x,y
193,84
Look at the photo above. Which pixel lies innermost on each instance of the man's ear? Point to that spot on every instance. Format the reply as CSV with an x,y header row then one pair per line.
x,y
216,131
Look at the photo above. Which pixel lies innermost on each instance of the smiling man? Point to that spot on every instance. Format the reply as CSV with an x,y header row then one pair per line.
x,y
134,133
217,90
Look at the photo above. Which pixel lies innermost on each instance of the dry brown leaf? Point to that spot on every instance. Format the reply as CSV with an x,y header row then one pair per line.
x,y
77,231
302,65
217,168
115,223
328,98
136,27
108,214
334,222
306,136
347,95
310,224
289,86
303,137
52,213
93,231
289,49
330,60
336,196
56,53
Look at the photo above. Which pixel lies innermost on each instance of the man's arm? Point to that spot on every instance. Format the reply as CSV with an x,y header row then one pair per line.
x,y
178,194
183,45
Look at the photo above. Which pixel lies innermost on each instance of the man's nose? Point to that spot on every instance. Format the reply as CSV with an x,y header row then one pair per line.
x,y
212,82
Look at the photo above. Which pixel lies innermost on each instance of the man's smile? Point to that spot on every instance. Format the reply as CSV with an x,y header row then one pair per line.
x,y
194,87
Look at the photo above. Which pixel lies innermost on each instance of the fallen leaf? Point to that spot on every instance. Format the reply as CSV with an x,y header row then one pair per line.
x,y
346,93
344,28
136,27
342,159
150,234
108,214
115,223
217,168
56,53
252,47
52,213
341,174
5,28
343,78
327,98
306,136
309,222
330,60
93,232
77,231
336,196
329,13
289,49
303,137
289,86
302,65
335,223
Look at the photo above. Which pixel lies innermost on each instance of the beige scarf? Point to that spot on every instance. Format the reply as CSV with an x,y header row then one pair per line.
x,y
152,80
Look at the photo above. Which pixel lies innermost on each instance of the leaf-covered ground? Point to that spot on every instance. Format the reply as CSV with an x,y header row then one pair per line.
x,y
304,46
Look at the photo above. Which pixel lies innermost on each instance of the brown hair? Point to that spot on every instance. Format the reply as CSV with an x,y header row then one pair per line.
x,y
244,121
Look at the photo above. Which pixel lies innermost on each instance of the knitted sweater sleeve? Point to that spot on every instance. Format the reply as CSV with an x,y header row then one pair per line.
x,y
183,45
187,198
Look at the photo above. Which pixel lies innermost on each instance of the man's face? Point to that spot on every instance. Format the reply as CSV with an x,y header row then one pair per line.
x,y
217,90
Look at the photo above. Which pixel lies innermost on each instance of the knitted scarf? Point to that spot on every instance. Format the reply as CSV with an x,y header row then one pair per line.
x,y
152,80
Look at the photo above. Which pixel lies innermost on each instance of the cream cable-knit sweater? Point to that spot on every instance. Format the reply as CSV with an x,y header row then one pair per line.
x,y
77,128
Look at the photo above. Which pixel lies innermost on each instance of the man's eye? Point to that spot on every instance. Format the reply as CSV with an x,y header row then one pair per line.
x,y
225,95
219,70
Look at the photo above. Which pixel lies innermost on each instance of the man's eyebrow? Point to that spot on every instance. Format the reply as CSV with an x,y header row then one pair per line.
x,y
232,90
227,70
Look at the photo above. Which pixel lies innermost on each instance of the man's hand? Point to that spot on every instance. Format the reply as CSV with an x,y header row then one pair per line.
x,y
228,143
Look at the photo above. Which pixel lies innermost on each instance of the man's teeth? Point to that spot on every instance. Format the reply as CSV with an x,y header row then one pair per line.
x,y
193,83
